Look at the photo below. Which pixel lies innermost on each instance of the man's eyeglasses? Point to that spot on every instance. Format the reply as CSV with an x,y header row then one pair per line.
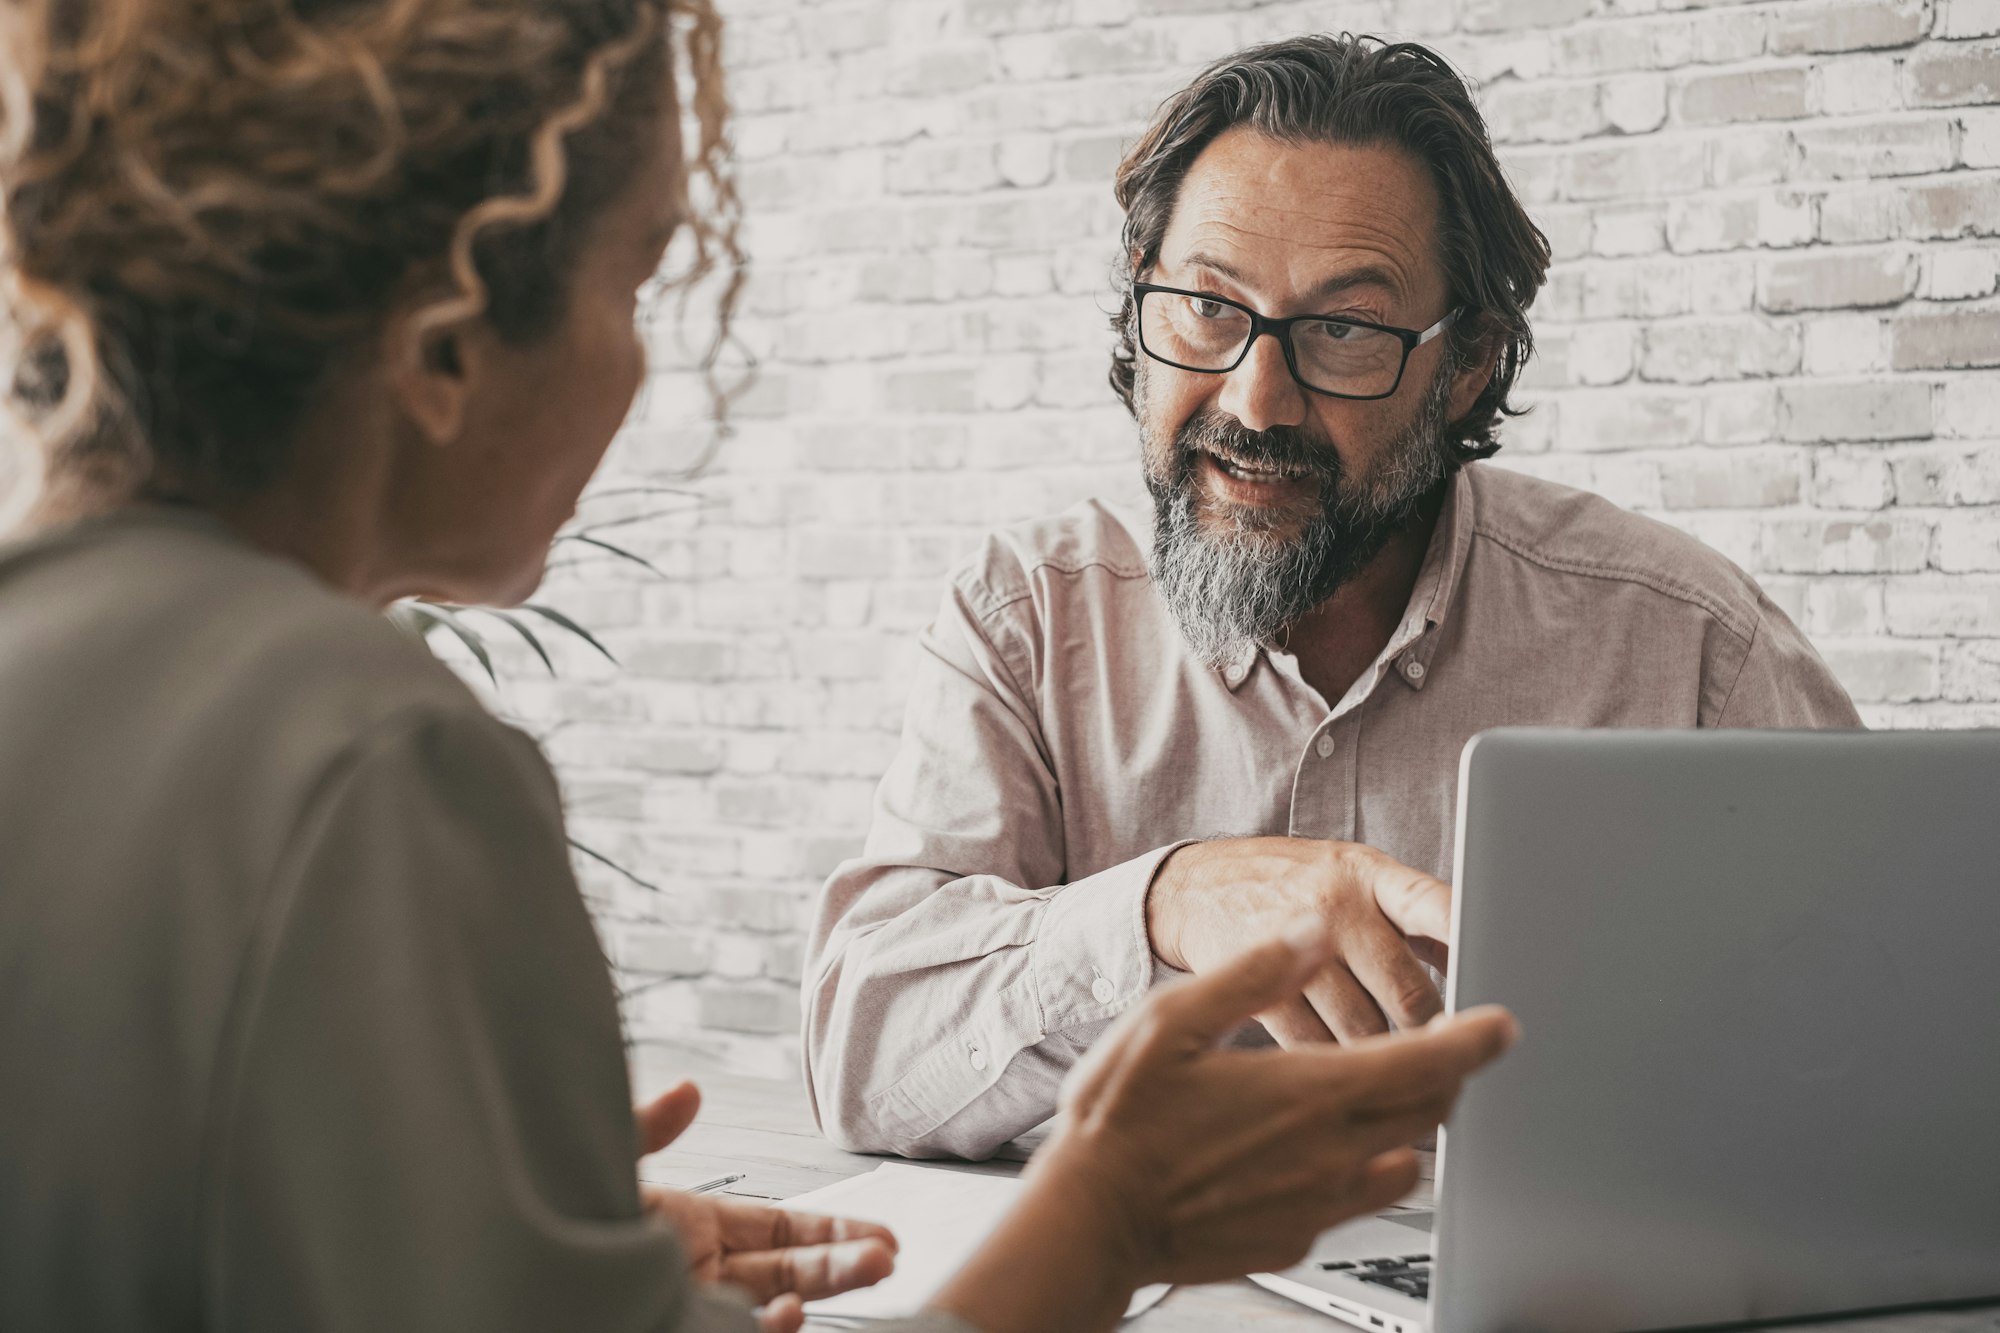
x,y
1341,358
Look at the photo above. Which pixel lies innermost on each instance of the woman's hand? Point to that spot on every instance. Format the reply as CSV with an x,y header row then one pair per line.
x,y
1181,1161
780,1258
1222,1162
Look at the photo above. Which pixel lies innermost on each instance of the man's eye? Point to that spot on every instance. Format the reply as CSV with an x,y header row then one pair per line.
x,y
1207,309
1335,332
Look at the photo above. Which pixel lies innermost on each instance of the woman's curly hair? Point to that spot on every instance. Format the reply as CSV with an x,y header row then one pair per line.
x,y
210,203
1355,90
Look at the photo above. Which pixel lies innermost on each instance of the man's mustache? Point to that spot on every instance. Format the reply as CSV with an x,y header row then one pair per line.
x,y
1286,448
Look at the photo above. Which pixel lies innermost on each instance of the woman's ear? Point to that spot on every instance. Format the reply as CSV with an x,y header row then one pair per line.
x,y
433,371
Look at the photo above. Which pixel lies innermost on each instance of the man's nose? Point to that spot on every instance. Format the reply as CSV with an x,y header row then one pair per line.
x,y
1261,393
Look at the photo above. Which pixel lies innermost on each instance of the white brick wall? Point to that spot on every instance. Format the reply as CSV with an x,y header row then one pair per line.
x,y
1773,320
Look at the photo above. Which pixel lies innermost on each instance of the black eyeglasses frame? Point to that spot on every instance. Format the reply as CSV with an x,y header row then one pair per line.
x,y
1281,329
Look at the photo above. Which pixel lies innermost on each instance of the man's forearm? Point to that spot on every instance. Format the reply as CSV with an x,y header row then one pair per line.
x,y
946,1028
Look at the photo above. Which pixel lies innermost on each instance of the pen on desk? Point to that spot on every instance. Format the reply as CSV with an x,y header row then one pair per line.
x,y
716,1184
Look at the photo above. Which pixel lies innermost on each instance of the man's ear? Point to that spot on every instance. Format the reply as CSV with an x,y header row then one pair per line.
x,y
432,370
1468,384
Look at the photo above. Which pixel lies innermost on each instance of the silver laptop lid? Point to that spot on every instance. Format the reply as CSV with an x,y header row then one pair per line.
x,y
1758,975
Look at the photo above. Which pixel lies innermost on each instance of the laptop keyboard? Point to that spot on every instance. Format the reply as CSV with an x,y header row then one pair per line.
x,y
1411,1274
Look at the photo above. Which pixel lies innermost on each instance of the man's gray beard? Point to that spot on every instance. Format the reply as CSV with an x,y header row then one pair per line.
x,y
1242,585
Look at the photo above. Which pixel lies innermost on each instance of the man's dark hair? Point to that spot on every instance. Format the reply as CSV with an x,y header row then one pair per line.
x,y
1356,90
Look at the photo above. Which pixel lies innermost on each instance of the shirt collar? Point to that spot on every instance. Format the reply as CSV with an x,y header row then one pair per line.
x,y
1430,598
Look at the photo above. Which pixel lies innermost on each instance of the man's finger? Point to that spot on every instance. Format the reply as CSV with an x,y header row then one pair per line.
x,y
1292,1023
667,1117
1386,968
1415,903
814,1272
1410,1069
1345,1006
1218,1002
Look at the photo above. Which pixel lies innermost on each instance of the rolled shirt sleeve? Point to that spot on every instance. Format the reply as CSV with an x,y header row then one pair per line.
x,y
954,974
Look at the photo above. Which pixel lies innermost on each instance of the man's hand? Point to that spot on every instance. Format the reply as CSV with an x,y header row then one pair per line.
x,y
1212,900
780,1258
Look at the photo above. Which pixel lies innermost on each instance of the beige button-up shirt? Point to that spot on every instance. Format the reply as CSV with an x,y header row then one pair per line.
x,y
1061,740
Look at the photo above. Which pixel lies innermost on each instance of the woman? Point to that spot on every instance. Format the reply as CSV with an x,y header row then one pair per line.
x,y
323,303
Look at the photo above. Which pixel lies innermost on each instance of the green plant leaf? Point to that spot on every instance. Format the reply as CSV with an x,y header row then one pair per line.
x,y
604,860
613,548
447,617
527,634
555,617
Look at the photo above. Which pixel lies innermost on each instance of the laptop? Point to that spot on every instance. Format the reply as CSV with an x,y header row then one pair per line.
x,y
1758,979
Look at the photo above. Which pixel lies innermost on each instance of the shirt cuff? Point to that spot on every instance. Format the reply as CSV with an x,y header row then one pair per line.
x,y
1092,957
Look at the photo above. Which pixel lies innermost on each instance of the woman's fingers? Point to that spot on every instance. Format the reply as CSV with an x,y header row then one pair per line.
x,y
753,1226
787,1314
667,1117
813,1272
1207,1008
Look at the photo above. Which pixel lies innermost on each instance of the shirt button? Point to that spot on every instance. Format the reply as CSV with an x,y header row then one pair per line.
x,y
1325,746
1103,991
1413,669
978,1058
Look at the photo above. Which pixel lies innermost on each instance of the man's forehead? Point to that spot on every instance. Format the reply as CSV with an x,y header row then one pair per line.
x,y
1299,213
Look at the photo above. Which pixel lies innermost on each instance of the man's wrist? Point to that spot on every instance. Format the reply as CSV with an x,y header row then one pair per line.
x,y
1163,908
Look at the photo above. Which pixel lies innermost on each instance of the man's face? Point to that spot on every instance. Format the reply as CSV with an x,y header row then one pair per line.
x,y
1268,495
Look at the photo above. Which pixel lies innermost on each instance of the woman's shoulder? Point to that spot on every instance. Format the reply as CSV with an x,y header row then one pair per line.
x,y
162,624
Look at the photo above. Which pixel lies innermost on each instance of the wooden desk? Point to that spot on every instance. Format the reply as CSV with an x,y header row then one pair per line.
x,y
761,1127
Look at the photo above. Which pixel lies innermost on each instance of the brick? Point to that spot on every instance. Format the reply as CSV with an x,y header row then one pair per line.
x,y
1731,480
1961,274
1849,25
1979,138
1847,480
1844,344
1635,103
1607,419
1871,151
1867,410
1968,18
1619,171
1885,672
1726,99
1954,209
1947,475
1971,671
1844,606
1970,407
1500,15
1884,544
1858,216
1953,340
742,1008
660,951
1836,280
1968,541
1701,350
1628,229
1530,113
1723,37
1740,414
1955,76
1750,155
1938,605
1860,85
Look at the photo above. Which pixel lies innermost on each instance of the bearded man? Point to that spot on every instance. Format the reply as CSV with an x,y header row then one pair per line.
x,y
1137,745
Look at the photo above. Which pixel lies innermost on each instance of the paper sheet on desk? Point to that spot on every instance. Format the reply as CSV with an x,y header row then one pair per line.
x,y
939,1217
